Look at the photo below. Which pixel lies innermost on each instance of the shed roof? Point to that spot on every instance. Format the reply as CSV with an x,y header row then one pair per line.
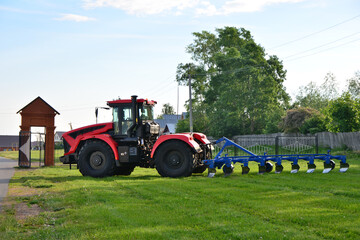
x,y
38,101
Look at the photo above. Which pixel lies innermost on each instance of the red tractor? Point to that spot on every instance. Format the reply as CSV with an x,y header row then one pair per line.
x,y
133,139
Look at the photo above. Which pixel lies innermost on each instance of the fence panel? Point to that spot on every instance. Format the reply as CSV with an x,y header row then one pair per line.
x,y
258,145
297,145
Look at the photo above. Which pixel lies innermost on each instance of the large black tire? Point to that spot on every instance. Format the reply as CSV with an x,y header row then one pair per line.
x,y
124,169
174,159
96,159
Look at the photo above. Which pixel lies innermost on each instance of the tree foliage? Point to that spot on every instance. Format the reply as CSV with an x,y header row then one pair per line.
x,y
335,113
167,109
317,97
301,120
236,86
343,114
353,85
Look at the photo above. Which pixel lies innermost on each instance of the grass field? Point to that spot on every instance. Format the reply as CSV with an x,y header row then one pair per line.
x,y
36,155
144,205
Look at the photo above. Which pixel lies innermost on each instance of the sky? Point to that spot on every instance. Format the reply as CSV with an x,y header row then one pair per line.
x,y
78,54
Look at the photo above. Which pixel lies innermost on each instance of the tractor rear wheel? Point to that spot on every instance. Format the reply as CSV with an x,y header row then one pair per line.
x,y
174,159
96,159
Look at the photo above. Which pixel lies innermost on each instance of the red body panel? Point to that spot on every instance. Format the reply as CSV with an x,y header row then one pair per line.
x,y
201,137
100,134
185,137
96,134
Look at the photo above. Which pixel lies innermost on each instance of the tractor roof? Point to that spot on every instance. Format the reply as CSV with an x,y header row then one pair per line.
x,y
141,100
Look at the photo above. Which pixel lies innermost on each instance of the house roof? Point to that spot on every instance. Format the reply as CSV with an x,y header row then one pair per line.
x,y
34,102
9,141
170,127
59,133
168,119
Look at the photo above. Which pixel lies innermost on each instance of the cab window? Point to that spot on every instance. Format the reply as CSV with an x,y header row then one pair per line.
x,y
116,120
126,120
146,113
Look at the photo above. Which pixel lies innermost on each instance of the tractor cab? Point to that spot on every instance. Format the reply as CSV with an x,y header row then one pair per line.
x,y
133,118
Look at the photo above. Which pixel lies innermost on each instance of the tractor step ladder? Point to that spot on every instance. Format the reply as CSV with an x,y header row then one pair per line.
x,y
226,162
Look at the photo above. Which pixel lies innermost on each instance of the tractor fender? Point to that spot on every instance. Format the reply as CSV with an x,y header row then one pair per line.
x,y
107,139
184,137
201,137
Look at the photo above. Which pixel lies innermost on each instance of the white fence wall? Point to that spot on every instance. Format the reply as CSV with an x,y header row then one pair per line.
x,y
326,139
333,140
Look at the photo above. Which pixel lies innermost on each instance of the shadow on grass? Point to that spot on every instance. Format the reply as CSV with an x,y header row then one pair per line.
x,y
64,179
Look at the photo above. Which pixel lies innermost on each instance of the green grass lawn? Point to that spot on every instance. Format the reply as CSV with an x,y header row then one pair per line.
x,y
36,155
147,206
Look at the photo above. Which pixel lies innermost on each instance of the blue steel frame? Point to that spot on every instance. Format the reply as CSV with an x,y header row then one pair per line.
x,y
219,161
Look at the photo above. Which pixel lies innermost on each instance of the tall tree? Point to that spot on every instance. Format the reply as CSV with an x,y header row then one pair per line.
x,y
353,85
343,114
167,109
236,86
310,96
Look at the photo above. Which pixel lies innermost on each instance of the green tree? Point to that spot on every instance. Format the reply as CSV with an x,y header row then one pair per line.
x,y
353,85
167,109
343,114
236,86
317,97
310,96
314,124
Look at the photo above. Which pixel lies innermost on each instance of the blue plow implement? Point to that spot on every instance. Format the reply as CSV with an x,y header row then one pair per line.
x,y
226,162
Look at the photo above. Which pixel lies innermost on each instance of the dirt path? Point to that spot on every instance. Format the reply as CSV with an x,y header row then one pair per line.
x,y
6,173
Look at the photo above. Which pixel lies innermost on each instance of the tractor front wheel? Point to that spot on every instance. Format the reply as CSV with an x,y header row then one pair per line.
x,y
174,159
96,159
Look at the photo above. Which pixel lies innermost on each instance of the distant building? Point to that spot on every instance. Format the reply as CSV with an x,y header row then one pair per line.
x,y
58,136
169,122
9,143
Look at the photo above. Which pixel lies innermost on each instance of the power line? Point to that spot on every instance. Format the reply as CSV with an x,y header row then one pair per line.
x,y
323,45
314,33
324,50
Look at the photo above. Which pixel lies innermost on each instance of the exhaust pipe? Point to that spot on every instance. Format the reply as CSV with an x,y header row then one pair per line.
x,y
135,115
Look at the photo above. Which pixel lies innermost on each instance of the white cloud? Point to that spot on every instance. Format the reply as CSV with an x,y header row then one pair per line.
x,y
143,7
235,6
74,17
208,9
238,6
176,7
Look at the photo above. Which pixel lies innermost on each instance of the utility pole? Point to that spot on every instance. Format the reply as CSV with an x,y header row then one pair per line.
x,y
177,109
190,106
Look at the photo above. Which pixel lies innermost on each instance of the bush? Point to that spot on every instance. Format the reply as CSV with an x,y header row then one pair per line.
x,y
302,120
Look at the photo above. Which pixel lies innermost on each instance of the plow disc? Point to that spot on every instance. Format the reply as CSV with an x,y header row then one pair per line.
x,y
265,166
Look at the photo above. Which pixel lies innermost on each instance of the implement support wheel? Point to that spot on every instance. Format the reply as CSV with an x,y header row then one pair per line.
x,y
269,167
